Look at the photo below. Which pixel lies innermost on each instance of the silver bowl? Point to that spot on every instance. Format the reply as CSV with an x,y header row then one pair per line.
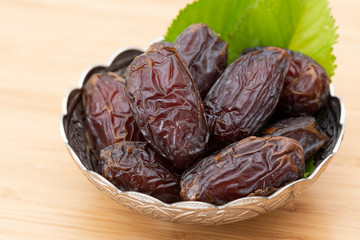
x,y
331,120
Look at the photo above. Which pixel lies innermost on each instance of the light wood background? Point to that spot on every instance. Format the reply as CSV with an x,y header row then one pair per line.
x,y
45,45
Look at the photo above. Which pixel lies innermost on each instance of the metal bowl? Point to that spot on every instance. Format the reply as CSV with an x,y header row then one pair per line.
x,y
331,120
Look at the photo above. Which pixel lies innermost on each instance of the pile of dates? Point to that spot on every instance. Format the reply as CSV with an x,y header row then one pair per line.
x,y
184,125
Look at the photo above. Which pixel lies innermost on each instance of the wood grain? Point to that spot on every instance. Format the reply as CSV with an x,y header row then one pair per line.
x,y
44,47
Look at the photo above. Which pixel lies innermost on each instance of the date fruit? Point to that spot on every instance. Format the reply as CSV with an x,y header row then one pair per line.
x,y
134,166
108,116
245,96
166,104
304,129
242,168
204,53
306,86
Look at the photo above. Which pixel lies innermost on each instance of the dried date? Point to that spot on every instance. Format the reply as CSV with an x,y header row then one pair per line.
x,y
242,169
304,129
205,54
108,116
306,85
245,96
166,104
134,166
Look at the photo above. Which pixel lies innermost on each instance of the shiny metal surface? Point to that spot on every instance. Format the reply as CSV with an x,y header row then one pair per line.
x,y
332,121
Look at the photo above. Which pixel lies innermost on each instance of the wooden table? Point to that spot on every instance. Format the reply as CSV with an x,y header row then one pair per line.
x,y
45,45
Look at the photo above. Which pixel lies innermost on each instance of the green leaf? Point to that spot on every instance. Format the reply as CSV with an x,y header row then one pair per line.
x,y
309,167
219,15
300,25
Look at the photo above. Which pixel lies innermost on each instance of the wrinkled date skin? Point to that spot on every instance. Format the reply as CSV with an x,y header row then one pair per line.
x,y
245,96
166,104
205,54
242,168
108,116
304,129
134,166
306,86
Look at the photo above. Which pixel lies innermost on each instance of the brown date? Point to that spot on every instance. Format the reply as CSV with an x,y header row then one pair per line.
x,y
166,104
245,96
242,168
134,166
304,129
107,111
205,54
306,86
